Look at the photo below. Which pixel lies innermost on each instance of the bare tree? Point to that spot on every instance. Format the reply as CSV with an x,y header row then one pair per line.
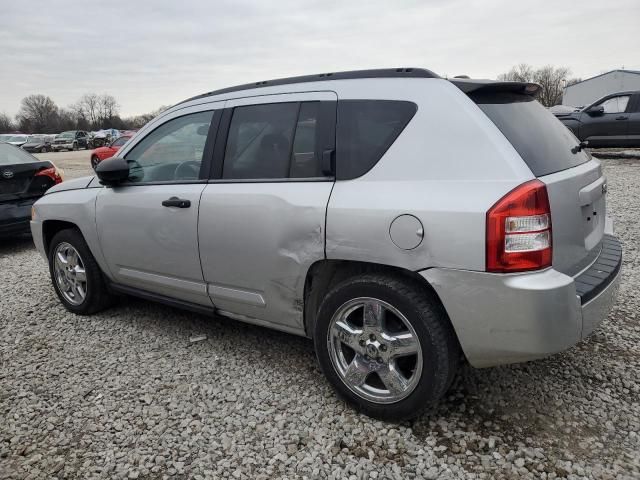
x,y
6,124
519,73
108,107
38,113
551,79
88,106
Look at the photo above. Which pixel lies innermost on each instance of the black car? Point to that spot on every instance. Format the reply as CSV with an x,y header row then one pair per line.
x,y
37,144
23,180
612,121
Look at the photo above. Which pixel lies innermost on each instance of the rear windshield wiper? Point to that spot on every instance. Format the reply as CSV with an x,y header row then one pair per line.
x,y
580,146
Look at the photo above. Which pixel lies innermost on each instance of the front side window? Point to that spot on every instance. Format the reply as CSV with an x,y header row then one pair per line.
x,y
616,104
366,130
273,141
172,152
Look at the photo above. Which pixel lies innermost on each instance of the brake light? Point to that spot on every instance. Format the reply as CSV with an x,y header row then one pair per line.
x,y
53,173
519,230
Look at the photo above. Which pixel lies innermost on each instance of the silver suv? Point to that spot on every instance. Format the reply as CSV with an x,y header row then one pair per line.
x,y
402,221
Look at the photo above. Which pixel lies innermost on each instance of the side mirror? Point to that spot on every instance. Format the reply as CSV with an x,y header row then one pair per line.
x,y
597,110
112,171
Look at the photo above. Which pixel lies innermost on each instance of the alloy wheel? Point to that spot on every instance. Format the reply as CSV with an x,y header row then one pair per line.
x,y
375,350
70,274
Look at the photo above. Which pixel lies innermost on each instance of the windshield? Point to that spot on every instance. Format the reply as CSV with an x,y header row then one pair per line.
x,y
67,135
543,142
120,141
10,155
35,139
17,138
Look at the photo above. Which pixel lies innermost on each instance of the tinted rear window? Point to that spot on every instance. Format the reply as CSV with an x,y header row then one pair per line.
x,y
365,131
542,141
10,155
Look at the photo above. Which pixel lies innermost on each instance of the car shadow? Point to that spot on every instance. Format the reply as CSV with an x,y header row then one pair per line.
x,y
15,244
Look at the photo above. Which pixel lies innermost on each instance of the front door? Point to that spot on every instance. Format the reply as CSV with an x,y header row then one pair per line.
x,y
147,226
262,217
609,128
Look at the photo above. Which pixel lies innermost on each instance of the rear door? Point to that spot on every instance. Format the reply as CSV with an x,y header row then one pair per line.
x,y
575,183
262,216
633,132
609,128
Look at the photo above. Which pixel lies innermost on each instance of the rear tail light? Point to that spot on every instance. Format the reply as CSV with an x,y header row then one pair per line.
x,y
53,173
519,230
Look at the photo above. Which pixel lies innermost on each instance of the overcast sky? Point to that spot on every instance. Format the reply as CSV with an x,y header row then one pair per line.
x,y
149,53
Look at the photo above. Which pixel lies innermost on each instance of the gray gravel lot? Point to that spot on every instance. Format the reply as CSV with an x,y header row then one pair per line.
x,y
125,394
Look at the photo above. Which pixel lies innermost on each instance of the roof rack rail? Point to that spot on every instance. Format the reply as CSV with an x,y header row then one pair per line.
x,y
374,73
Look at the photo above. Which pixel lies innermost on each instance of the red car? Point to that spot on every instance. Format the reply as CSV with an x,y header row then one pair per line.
x,y
103,153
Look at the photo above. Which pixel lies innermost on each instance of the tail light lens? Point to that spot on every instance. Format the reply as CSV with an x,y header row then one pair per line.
x,y
53,173
519,230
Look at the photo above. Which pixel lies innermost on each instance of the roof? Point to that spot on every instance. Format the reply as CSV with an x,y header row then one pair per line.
x,y
374,73
635,72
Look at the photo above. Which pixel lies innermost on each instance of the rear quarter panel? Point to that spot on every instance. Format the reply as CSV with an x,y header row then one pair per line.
x,y
447,168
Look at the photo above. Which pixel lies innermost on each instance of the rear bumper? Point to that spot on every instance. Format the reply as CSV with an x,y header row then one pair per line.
x,y
502,319
15,217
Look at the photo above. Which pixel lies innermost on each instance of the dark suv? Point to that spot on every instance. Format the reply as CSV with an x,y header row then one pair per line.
x,y
612,121
71,140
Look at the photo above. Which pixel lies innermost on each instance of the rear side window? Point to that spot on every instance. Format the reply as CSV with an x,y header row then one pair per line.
x,y
277,140
365,131
543,142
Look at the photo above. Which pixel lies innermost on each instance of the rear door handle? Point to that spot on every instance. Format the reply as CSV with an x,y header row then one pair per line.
x,y
622,118
176,202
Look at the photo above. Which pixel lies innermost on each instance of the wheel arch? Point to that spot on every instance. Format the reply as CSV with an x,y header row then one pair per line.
x,y
51,227
324,274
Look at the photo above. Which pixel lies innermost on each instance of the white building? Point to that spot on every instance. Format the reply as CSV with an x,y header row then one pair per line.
x,y
588,91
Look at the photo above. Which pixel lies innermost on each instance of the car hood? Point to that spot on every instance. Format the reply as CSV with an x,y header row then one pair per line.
x,y
73,184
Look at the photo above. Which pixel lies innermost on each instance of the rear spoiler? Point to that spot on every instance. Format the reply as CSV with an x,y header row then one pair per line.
x,y
468,86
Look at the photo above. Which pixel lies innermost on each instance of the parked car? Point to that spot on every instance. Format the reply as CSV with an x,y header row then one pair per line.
x,y
109,151
37,144
23,180
612,121
435,218
17,140
71,140
4,137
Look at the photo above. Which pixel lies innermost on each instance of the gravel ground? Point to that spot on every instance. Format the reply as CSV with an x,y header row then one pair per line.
x,y
127,394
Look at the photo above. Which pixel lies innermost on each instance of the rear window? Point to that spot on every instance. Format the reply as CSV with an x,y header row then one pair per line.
x,y
365,131
543,142
10,155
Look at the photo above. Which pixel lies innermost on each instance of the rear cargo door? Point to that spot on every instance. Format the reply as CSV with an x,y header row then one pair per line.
x,y
574,180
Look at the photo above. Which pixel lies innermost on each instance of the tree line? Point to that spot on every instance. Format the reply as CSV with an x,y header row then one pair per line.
x,y
40,114
553,81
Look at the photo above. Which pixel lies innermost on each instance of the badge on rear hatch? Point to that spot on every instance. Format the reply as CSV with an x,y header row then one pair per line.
x,y
604,188
7,174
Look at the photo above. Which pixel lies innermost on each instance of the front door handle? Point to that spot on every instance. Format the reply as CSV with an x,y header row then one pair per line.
x,y
176,202
622,118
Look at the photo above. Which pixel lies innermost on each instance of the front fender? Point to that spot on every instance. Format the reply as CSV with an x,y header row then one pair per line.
x,y
77,207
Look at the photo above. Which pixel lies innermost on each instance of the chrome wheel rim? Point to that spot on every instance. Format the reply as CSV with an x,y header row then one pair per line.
x,y
70,274
375,350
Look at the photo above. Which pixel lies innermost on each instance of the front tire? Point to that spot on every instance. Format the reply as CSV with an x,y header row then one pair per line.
x,y
75,147
386,345
94,161
76,276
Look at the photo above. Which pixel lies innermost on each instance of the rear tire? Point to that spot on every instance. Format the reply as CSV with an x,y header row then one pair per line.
x,y
43,150
71,261
397,370
94,161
